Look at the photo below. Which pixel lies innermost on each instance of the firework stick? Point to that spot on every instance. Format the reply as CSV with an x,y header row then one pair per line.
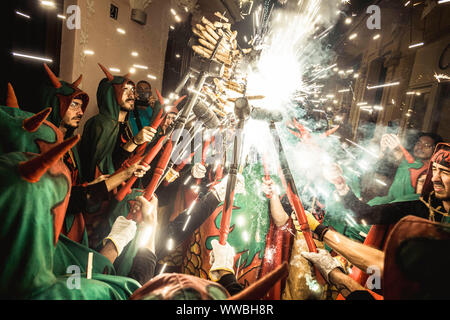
x,y
206,44
155,124
220,51
136,214
200,27
221,16
220,113
294,199
209,37
231,184
208,52
212,32
220,32
205,53
198,33
159,170
206,21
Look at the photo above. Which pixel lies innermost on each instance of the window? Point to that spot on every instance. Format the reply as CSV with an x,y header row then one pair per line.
x,y
113,11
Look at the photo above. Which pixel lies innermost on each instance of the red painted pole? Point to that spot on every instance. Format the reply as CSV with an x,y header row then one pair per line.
x,y
159,170
266,172
146,162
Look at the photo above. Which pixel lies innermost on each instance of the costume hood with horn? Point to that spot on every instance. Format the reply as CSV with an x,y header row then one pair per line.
x,y
59,97
101,131
174,286
34,193
416,260
25,131
440,156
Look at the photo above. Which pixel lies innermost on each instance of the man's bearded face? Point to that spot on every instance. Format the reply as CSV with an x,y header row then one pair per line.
x,y
424,148
128,98
441,181
73,114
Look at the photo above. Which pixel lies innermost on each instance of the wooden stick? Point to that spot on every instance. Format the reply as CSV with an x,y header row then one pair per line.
x,y
209,37
89,265
206,44
212,32
200,27
207,22
198,33
218,14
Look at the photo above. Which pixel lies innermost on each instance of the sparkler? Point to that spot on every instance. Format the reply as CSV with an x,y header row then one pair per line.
x,y
383,85
362,148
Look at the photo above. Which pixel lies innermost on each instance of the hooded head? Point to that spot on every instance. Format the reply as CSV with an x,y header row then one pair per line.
x,y
67,101
34,194
438,176
171,115
115,93
24,131
416,260
175,286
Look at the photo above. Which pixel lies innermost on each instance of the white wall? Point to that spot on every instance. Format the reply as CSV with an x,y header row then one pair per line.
x,y
99,33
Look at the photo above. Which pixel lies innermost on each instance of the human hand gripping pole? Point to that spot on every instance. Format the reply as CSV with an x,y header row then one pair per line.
x,y
221,257
294,199
148,158
242,112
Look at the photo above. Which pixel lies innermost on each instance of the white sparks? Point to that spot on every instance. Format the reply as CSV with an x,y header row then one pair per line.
x,y
163,268
187,221
415,45
191,207
23,14
31,57
170,244
145,235
383,85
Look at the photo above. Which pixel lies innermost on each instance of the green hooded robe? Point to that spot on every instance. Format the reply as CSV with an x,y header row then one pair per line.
x,y
101,131
35,266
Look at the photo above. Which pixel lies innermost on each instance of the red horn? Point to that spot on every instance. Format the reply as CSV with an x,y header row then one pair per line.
x,y
52,77
107,73
11,100
33,123
78,81
32,170
178,101
259,289
160,98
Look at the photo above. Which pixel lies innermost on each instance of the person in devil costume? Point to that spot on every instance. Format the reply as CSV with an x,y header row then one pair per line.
x,y
31,229
107,140
434,202
69,104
